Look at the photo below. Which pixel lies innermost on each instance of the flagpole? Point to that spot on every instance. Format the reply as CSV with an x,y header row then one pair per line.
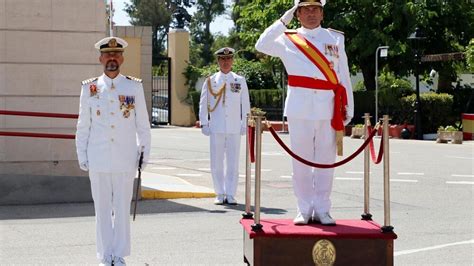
x,y
111,19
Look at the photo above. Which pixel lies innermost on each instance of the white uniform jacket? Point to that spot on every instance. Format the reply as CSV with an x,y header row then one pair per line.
x,y
303,103
230,115
113,123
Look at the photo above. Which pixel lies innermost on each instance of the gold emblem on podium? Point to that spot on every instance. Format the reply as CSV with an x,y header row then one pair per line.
x,y
324,253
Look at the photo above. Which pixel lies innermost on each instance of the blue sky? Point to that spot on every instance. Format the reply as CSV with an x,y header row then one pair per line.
x,y
222,24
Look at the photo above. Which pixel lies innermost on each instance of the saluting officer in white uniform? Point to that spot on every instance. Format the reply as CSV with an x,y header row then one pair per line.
x,y
309,106
113,128
223,110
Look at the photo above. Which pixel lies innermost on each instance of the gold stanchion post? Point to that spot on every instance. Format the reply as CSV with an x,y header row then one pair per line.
x,y
258,169
386,176
366,215
248,193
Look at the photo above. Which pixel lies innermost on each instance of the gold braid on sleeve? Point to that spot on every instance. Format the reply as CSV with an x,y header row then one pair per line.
x,y
217,95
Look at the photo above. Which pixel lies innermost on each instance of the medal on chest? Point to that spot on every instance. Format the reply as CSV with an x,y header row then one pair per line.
x,y
331,50
127,104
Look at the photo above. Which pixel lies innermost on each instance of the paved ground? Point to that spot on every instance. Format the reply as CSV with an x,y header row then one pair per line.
x,y
432,208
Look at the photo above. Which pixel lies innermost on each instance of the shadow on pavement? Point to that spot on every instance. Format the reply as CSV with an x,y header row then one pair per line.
x,y
241,207
68,210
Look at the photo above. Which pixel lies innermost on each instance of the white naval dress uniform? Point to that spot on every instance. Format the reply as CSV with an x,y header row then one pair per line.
x,y
112,127
310,111
227,123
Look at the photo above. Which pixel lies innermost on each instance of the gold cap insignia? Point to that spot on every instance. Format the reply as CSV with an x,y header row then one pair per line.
x,y
113,43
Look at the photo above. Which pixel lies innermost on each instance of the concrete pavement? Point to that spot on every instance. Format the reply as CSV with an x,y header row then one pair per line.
x,y
432,198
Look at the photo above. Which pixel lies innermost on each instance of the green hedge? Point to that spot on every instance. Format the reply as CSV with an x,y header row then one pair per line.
x,y
436,110
268,100
257,74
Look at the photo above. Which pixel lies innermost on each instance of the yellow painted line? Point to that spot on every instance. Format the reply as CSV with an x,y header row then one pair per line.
x,y
158,194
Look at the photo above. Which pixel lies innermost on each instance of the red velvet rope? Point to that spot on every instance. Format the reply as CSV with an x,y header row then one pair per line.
x,y
372,150
53,115
36,135
251,133
317,165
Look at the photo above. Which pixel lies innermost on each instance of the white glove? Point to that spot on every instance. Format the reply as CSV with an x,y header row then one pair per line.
x,y
206,130
288,16
243,130
347,121
84,166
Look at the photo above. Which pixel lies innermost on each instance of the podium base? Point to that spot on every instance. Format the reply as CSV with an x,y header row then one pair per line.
x,y
350,242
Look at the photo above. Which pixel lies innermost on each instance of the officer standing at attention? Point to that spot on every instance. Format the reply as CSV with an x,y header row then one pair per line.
x,y
319,102
225,99
112,129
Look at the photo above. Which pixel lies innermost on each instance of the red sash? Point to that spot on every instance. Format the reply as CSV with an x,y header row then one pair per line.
x,y
331,82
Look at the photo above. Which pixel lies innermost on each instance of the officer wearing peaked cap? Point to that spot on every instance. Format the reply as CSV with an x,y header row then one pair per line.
x,y
112,129
319,101
223,110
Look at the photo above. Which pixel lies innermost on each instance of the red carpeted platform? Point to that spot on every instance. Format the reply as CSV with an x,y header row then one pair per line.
x,y
350,242
354,229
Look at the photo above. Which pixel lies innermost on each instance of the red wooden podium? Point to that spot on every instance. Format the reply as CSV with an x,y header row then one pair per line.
x,y
350,242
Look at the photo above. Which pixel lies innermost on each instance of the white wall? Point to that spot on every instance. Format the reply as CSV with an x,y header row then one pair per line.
x,y
46,50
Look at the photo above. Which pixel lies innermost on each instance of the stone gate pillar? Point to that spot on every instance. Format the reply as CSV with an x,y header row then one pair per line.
x,y
182,113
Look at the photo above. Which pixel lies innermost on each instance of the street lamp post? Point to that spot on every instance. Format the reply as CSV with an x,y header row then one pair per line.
x,y
383,53
416,37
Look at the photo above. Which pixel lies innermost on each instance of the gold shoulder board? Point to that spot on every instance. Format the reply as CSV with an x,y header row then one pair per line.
x,y
134,79
338,31
87,81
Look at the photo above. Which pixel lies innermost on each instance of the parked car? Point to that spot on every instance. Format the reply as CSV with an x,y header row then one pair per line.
x,y
159,111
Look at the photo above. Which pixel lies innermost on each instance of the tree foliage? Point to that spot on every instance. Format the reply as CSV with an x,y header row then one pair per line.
x,y
470,55
371,23
154,13
448,26
202,38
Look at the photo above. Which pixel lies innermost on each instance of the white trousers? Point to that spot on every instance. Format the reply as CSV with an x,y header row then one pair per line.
x,y
225,149
112,194
314,141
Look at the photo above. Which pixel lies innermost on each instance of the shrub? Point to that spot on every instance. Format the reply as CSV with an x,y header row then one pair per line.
x,y
267,100
391,89
436,110
257,74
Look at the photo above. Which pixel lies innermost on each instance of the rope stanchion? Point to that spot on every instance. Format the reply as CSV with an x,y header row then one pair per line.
x,y
257,226
367,216
387,228
318,165
376,159
37,135
248,169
